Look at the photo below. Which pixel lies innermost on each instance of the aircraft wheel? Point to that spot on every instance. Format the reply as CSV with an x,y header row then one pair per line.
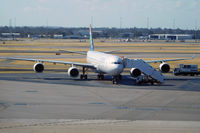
x,y
102,77
120,77
98,77
81,76
115,80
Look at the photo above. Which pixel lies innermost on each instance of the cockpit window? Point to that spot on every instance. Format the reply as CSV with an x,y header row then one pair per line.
x,y
116,63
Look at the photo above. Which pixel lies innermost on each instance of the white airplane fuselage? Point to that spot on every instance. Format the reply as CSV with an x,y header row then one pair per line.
x,y
105,63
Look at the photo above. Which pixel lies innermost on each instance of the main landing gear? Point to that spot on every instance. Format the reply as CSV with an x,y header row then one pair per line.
x,y
100,77
115,79
84,75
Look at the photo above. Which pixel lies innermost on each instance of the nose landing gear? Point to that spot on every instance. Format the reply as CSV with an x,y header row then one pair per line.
x,y
115,79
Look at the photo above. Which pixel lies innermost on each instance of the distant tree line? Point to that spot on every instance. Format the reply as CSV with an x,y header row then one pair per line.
x,y
97,32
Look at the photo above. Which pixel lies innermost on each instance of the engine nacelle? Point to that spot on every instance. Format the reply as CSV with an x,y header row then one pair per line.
x,y
135,72
164,67
73,72
38,67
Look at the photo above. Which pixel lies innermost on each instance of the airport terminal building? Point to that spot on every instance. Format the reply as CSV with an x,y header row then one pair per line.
x,y
170,36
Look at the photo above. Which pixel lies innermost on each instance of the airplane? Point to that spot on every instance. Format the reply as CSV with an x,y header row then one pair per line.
x,y
106,63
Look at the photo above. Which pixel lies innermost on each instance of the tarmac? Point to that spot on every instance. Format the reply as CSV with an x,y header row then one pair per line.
x,y
49,102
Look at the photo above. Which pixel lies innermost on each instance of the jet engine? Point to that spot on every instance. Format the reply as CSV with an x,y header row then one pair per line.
x,y
164,67
38,67
73,72
135,72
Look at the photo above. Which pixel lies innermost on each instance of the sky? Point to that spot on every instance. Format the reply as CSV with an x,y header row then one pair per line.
x,y
184,14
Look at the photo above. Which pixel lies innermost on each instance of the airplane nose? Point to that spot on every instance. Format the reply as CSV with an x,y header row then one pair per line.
x,y
114,69
119,69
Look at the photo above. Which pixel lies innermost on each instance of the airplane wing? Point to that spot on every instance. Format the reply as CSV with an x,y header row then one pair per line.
x,y
166,60
51,61
109,52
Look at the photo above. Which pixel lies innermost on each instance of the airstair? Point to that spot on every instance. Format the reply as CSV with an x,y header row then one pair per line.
x,y
145,68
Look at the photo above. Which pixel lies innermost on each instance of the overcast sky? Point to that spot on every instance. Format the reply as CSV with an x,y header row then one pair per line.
x,y
105,13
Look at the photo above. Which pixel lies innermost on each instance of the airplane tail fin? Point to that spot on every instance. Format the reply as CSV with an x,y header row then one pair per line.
x,y
91,39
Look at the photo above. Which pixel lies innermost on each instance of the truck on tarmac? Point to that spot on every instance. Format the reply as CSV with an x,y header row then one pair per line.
x,y
186,69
